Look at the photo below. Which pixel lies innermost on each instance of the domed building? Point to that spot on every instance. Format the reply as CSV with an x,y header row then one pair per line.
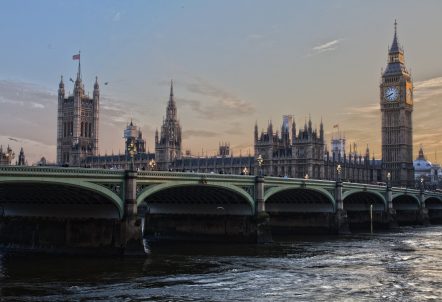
x,y
426,171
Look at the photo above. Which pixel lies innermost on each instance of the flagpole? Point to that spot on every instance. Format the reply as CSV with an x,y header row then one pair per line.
x,y
79,64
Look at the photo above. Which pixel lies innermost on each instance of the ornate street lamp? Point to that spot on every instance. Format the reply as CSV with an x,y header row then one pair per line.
x,y
152,164
131,150
260,160
339,170
245,171
306,176
422,184
388,179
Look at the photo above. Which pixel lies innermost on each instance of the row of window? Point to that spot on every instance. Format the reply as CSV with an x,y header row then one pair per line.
x,y
86,129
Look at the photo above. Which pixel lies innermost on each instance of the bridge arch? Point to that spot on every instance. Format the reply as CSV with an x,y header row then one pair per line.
x,y
299,199
185,198
357,200
406,202
432,199
69,198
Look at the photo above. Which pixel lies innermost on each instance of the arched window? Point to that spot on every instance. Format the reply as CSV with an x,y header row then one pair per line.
x,y
81,129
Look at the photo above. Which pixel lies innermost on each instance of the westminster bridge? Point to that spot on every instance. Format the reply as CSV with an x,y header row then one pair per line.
x,y
81,208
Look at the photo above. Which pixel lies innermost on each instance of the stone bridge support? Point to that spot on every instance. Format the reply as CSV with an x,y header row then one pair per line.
x,y
263,231
341,219
131,241
391,212
424,217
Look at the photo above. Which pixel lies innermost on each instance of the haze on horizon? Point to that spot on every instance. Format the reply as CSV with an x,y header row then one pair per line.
x,y
233,63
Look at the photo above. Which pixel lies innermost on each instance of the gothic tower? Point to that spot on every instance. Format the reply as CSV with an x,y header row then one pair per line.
x,y
168,144
77,122
396,100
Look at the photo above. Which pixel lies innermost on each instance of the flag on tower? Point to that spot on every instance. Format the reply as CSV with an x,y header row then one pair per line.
x,y
76,57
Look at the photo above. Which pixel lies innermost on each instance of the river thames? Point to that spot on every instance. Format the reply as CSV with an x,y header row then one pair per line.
x,y
404,265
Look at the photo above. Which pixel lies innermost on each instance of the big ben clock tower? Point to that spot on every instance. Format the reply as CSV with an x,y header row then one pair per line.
x,y
396,98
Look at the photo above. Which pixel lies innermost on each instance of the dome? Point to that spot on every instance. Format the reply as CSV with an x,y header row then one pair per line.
x,y
421,164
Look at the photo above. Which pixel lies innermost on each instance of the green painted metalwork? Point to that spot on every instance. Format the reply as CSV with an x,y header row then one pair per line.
x,y
111,183
168,185
274,190
80,184
377,193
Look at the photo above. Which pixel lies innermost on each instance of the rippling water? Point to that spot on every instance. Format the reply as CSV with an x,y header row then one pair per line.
x,y
404,265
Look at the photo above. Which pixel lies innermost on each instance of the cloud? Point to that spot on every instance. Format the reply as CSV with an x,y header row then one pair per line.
x,y
427,89
218,104
325,47
116,17
254,37
198,133
33,149
37,105
363,124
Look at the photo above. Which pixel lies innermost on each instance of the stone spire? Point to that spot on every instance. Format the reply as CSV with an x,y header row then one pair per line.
x,y
96,88
256,131
61,87
21,158
171,106
396,61
78,87
395,47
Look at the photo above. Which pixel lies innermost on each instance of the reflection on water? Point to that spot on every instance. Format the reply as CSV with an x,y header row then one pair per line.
x,y
400,266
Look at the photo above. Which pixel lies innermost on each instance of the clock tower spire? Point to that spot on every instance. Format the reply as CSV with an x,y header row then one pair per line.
x,y
396,100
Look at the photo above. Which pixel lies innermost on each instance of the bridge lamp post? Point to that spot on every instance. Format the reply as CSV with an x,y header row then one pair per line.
x,y
422,184
245,171
260,160
339,170
131,150
388,180
306,176
152,164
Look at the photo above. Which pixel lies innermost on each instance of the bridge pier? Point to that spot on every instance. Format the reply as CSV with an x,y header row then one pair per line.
x,y
131,241
341,218
263,231
424,217
391,212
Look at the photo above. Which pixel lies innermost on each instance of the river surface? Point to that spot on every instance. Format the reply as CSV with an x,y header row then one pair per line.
x,y
404,265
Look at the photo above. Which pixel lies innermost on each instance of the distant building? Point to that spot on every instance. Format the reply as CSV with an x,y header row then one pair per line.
x,y
426,173
133,135
286,153
77,126
168,142
142,159
21,158
396,100
6,156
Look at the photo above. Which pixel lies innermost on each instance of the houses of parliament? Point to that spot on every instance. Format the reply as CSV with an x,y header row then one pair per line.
x,y
289,151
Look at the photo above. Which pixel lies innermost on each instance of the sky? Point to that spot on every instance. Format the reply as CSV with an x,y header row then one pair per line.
x,y
233,63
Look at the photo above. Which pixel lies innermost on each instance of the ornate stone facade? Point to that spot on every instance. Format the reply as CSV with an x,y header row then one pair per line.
x,y
396,99
6,156
292,153
168,143
77,127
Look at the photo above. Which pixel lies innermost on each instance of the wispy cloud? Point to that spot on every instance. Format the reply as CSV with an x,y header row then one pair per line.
x,y
116,17
427,89
254,37
363,124
199,133
218,104
325,47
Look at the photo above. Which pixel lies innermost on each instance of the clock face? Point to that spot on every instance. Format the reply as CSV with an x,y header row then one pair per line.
x,y
391,93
